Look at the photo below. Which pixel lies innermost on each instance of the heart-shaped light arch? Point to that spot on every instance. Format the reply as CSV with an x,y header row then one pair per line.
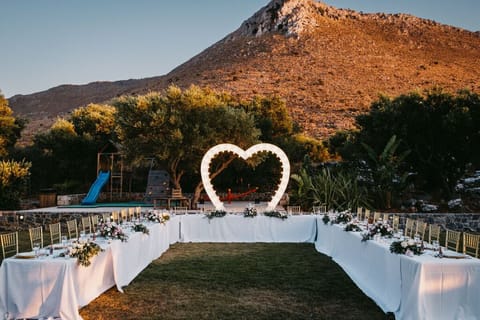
x,y
244,154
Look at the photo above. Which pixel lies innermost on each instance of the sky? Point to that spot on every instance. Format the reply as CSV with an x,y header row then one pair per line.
x,y
46,43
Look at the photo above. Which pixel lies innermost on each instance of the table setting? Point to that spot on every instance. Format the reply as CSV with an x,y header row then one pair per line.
x,y
406,276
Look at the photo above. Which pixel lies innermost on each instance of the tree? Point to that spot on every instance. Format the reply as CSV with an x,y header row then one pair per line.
x,y
13,178
384,171
179,126
10,127
70,146
441,130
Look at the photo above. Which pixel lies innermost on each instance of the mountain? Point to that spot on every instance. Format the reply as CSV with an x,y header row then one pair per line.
x,y
329,64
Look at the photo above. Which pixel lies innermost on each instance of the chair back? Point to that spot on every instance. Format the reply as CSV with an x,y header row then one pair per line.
x,y
409,227
131,213
86,225
123,215
293,209
94,222
36,235
386,217
421,228
395,222
106,217
55,233
138,212
471,242
9,243
452,240
360,213
319,209
434,233
115,216
376,216
72,229
367,214
180,210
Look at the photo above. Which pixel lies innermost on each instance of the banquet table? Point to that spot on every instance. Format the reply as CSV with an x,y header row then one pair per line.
x,y
57,286
418,287
237,228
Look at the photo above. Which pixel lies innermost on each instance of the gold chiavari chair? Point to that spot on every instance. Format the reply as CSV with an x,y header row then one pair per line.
x,y
94,222
55,233
452,240
131,213
376,216
319,209
115,217
471,243
367,214
36,235
360,213
386,217
72,229
123,215
293,210
395,223
106,216
434,233
9,243
86,225
138,212
180,210
421,228
409,227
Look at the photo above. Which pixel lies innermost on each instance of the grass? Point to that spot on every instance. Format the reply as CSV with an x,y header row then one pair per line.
x,y
238,281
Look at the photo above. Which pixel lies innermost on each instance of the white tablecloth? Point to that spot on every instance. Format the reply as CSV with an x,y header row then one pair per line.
x,y
237,228
52,287
419,287
36,288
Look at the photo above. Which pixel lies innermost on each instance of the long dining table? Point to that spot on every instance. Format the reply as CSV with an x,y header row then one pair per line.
x,y
412,287
57,286
418,287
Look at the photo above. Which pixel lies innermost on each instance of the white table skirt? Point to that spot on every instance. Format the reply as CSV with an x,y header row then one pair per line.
x,y
419,287
58,287
237,228
52,287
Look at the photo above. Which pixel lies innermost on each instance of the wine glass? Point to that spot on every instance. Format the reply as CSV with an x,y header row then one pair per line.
x,y
36,248
436,245
64,242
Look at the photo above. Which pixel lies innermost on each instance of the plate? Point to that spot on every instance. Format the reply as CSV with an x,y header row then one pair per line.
x,y
25,255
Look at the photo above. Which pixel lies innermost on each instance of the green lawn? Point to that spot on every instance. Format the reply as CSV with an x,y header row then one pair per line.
x,y
238,281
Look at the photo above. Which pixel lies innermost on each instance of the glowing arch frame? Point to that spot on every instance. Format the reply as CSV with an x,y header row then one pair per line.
x,y
244,154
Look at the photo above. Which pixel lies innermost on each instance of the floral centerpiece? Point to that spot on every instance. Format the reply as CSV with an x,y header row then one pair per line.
x,y
111,230
138,227
164,217
343,217
153,216
404,247
216,214
276,214
250,212
381,228
84,251
352,227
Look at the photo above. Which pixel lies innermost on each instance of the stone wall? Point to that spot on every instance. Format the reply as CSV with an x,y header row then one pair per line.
x,y
453,221
13,220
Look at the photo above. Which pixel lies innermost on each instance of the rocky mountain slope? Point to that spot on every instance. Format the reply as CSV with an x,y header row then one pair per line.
x,y
329,64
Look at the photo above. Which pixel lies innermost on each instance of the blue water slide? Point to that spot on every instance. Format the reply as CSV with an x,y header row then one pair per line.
x,y
96,187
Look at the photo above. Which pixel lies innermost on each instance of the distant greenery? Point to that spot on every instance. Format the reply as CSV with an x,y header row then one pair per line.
x,y
13,174
336,188
437,137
